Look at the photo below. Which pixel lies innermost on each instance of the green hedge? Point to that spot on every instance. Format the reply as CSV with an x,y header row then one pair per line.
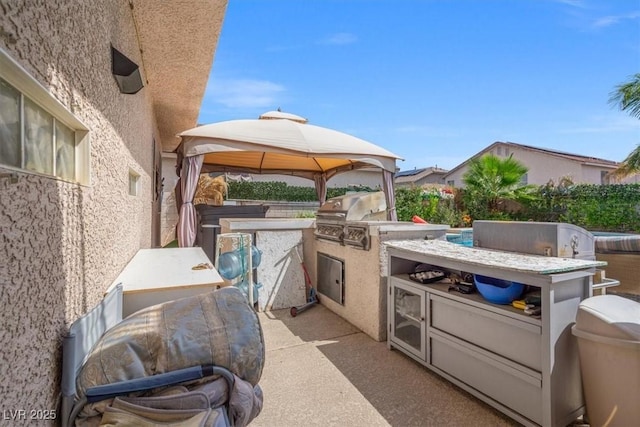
x,y
614,208
595,207
280,191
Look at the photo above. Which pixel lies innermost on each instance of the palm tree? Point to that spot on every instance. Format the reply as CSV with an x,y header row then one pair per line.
x,y
491,179
630,165
627,97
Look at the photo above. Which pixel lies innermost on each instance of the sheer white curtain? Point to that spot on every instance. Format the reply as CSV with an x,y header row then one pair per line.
x,y
321,186
38,138
10,147
189,175
387,183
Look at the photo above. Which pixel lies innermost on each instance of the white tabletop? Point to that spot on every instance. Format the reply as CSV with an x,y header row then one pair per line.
x,y
168,268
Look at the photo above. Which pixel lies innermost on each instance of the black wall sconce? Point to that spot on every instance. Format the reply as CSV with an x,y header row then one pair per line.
x,y
126,73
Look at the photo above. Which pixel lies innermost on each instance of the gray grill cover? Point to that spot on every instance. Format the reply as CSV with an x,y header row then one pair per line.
x,y
212,328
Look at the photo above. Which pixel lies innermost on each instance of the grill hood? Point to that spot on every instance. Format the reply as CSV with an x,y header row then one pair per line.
x,y
361,206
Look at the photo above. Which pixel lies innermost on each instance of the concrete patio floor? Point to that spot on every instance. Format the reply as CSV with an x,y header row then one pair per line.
x,y
322,371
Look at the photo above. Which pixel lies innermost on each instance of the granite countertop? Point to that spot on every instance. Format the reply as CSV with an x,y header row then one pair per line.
x,y
493,258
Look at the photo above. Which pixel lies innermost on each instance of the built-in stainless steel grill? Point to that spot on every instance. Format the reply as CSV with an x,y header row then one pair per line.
x,y
344,219
538,238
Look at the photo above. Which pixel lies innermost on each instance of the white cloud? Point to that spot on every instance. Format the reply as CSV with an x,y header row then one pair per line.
x,y
603,124
573,3
339,39
607,21
244,93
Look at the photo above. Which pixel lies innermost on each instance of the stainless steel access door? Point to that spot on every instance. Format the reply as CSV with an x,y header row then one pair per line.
x,y
331,277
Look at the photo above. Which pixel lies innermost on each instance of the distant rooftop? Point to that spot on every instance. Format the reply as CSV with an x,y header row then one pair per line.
x,y
410,172
413,176
579,157
415,171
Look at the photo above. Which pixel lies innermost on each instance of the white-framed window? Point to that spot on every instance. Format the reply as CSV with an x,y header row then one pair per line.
x,y
451,183
524,180
37,133
134,182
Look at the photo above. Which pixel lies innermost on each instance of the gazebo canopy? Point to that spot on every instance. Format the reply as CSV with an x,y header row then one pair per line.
x,y
281,146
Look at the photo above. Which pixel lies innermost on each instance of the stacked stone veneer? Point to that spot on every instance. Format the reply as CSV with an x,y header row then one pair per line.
x,y
62,244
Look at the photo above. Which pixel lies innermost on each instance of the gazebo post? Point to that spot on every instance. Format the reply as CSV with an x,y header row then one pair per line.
x,y
387,185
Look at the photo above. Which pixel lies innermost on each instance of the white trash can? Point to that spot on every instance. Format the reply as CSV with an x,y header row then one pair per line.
x,y
608,332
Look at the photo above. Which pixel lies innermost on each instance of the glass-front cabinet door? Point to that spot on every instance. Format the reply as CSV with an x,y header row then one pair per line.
x,y
407,318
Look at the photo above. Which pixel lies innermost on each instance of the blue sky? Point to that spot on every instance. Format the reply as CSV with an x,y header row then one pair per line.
x,y
434,81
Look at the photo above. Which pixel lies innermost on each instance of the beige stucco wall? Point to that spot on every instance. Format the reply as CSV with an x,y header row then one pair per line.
x,y
542,168
592,174
62,244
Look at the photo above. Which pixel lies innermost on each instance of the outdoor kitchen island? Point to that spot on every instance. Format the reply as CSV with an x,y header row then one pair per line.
x,y
525,366
350,268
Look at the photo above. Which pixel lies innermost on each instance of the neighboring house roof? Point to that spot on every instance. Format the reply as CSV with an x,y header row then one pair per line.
x,y
411,176
177,42
586,160
410,172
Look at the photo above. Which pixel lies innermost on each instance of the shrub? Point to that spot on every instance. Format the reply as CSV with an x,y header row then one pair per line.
x,y
432,206
280,191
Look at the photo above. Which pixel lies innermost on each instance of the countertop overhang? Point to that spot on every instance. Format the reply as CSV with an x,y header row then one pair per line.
x,y
262,224
492,258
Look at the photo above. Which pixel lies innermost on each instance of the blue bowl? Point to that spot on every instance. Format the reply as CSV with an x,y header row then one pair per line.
x,y
498,291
